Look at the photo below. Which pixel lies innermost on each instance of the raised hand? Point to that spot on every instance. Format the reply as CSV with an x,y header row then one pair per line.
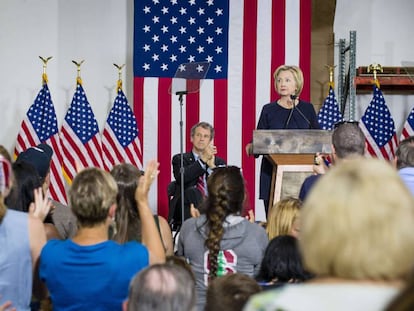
x,y
41,205
145,182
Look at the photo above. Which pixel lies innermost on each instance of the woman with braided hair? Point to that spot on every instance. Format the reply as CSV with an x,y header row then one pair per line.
x,y
221,241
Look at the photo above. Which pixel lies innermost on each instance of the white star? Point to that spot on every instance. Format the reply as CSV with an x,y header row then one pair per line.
x,y
219,12
210,2
199,68
155,1
210,21
200,11
155,57
173,39
191,59
181,67
200,30
182,29
191,39
209,59
173,58
147,9
155,38
164,67
191,2
191,20
164,10
155,19
164,48
173,2
217,68
200,49
219,50
182,49
164,29
210,40
173,20
146,47
146,28
219,30
183,11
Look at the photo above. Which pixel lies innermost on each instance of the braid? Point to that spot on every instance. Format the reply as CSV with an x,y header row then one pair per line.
x,y
216,214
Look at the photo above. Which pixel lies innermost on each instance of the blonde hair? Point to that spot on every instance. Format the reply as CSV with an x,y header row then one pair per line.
x,y
282,216
357,223
297,75
92,193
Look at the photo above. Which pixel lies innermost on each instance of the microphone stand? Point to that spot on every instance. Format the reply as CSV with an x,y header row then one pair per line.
x,y
180,99
293,97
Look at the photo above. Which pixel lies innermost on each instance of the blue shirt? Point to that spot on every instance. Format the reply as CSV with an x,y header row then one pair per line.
x,y
93,277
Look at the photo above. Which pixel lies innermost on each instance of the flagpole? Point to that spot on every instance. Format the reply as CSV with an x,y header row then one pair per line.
x,y
44,75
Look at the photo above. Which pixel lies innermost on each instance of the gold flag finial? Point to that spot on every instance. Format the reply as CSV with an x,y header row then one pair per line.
x,y
119,84
375,68
44,74
78,65
331,70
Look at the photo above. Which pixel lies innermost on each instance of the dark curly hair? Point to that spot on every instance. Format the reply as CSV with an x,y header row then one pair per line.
x,y
282,262
226,193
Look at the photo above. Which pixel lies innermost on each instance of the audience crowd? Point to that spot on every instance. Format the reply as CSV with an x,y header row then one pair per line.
x,y
344,243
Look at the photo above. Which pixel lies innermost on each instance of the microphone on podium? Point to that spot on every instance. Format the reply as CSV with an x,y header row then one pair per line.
x,y
292,97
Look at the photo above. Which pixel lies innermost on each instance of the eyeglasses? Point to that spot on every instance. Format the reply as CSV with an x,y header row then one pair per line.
x,y
339,123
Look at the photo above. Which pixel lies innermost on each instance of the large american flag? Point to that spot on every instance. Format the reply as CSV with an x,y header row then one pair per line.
x,y
40,126
408,129
244,42
379,128
120,140
329,114
80,138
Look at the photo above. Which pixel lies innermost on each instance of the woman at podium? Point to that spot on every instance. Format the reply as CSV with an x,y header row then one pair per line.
x,y
288,112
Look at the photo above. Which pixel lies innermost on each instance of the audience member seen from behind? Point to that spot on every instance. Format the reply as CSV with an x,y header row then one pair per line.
x,y
282,263
284,218
197,165
356,237
221,241
404,161
22,237
40,157
288,112
127,220
230,292
348,142
27,180
90,272
161,287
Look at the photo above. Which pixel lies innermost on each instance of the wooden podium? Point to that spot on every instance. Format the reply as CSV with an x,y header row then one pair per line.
x,y
289,151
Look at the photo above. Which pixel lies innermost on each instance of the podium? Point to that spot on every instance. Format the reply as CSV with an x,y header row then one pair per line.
x,y
289,151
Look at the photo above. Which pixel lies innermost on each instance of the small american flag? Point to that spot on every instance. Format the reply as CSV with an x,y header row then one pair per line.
x,y
378,127
329,113
120,141
80,139
40,126
408,129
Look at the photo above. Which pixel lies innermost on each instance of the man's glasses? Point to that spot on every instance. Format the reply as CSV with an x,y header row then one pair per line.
x,y
339,123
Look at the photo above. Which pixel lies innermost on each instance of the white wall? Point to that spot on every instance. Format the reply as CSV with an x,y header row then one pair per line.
x,y
384,31
97,31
